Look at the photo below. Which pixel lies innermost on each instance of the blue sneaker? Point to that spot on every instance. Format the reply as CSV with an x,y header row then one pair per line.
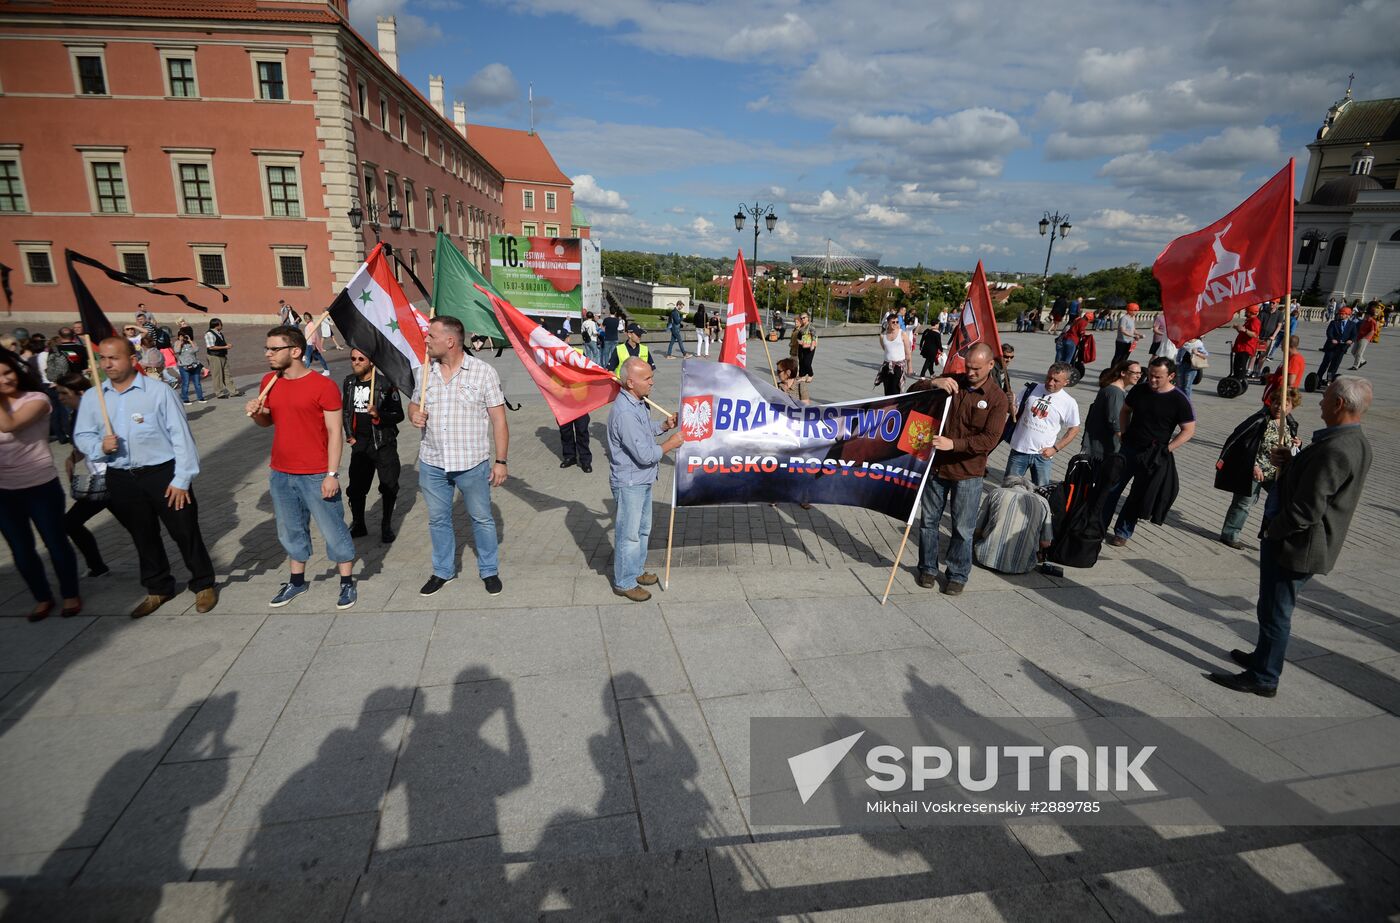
x,y
288,593
347,596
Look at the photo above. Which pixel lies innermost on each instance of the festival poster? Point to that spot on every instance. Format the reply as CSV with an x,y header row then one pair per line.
x,y
748,442
542,276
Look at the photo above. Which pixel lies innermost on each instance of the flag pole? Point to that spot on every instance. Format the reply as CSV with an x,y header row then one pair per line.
x,y
671,529
97,382
763,334
262,395
918,497
1285,378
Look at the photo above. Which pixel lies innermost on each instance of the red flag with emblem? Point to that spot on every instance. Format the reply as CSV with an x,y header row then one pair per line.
x,y
978,324
1210,275
743,310
572,384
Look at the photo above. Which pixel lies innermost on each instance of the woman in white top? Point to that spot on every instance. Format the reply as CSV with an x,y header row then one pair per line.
x,y
896,351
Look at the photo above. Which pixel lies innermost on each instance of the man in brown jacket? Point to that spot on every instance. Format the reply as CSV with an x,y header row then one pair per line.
x,y
977,412
1318,491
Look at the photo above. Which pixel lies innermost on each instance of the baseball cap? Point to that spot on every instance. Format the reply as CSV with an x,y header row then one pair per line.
x,y
634,328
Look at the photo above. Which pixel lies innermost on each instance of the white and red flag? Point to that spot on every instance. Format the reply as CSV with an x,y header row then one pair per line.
x,y
978,324
743,310
375,317
1210,275
572,384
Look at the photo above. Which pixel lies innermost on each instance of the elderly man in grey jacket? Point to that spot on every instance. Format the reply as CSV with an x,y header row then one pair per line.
x,y
1319,490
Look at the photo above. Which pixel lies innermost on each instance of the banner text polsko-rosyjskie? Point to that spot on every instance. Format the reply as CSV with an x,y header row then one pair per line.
x,y
748,442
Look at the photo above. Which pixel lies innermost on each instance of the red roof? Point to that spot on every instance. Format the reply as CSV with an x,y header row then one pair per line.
x,y
246,10
518,155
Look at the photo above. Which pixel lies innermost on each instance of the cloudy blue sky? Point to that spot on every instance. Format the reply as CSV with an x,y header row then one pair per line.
x,y
928,132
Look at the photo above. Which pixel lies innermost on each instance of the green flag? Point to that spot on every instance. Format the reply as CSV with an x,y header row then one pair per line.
x,y
455,293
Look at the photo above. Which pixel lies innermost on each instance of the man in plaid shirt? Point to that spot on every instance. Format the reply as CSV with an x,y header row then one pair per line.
x,y
462,395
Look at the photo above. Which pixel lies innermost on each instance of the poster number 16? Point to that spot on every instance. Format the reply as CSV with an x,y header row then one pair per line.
x,y
512,252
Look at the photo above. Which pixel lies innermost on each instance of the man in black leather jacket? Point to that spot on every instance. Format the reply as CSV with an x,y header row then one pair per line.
x,y
371,412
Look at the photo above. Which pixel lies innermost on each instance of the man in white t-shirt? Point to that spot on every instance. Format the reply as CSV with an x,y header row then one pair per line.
x,y
1036,441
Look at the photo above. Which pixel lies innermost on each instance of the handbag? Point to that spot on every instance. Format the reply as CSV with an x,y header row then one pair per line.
x,y
91,487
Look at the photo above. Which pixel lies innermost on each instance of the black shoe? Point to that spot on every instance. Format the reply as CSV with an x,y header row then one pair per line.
x,y
1233,543
926,580
586,468
387,535
952,587
434,584
101,570
1240,682
568,463
358,530
493,585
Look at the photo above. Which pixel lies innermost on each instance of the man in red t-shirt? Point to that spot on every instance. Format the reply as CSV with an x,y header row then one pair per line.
x,y
1297,368
1246,341
306,446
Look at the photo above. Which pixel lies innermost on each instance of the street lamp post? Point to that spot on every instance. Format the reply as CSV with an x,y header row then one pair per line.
x,y
757,212
357,217
1319,245
1049,223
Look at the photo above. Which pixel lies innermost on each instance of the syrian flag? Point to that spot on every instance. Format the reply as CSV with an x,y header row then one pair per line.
x,y
978,324
572,384
1210,275
376,318
743,310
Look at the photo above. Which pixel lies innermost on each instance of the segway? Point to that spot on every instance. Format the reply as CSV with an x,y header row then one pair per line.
x,y
1233,385
1310,382
1085,350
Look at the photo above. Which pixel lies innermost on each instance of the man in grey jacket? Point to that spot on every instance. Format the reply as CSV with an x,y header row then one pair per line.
x,y
1319,490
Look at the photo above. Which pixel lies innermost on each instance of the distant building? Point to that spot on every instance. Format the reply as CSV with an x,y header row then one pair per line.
x,y
631,294
1350,201
225,141
539,197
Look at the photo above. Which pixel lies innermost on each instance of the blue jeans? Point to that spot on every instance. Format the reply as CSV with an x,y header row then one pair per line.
x,y
965,496
632,534
475,485
1038,465
296,500
677,339
1064,350
186,377
1278,594
594,352
43,506
314,355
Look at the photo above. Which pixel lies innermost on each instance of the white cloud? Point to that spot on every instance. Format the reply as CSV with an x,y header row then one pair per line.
x,y
702,228
913,195
1117,219
493,85
1063,146
758,105
589,194
413,30
1011,229
792,34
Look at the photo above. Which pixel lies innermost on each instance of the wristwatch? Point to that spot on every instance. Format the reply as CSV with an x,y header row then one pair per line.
x,y
501,461
333,474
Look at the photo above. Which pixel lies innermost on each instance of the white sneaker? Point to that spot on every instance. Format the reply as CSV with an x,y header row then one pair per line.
x,y
326,372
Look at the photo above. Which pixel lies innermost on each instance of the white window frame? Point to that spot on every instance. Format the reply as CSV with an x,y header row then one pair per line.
x,y
384,112
409,192
442,152
551,230
8,151
551,201
184,53
196,155
431,202
403,125
103,154
141,247
391,192
198,250
281,159
362,98
257,56
527,199
298,251
529,229
89,50
45,247
424,126
461,219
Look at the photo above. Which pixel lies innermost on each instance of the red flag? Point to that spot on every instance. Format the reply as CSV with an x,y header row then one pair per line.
x,y
978,324
743,310
1210,275
572,384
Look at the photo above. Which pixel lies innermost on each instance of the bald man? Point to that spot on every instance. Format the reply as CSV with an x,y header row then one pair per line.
x,y
634,457
977,410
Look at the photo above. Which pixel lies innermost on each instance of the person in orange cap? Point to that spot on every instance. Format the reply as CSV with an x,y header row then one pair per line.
x,y
1127,334
1246,342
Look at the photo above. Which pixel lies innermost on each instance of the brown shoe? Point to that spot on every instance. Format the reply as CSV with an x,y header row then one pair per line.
x,y
636,594
1116,541
647,580
149,605
206,599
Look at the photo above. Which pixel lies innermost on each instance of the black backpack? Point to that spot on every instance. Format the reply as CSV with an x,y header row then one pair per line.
x,y
162,337
1076,510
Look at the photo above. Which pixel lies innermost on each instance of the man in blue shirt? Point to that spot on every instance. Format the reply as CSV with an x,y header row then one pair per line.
x,y
151,460
634,457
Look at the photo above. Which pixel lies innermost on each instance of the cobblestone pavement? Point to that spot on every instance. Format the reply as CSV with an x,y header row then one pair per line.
x,y
550,750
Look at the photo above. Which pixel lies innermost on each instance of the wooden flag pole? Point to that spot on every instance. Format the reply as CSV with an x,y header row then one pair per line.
x,y
670,533
97,382
918,498
763,334
658,407
908,526
262,395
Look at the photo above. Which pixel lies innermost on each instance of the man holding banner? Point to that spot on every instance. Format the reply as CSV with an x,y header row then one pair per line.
x,y
976,416
634,457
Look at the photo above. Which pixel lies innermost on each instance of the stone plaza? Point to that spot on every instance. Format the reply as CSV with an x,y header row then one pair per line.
x,y
555,752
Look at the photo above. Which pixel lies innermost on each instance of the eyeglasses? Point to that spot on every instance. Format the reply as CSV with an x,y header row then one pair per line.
x,y
353,359
273,349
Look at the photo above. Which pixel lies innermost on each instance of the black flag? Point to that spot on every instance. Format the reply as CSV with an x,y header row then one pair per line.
x,y
95,322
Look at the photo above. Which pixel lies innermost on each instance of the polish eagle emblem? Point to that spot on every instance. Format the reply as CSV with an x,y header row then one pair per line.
x,y
697,417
